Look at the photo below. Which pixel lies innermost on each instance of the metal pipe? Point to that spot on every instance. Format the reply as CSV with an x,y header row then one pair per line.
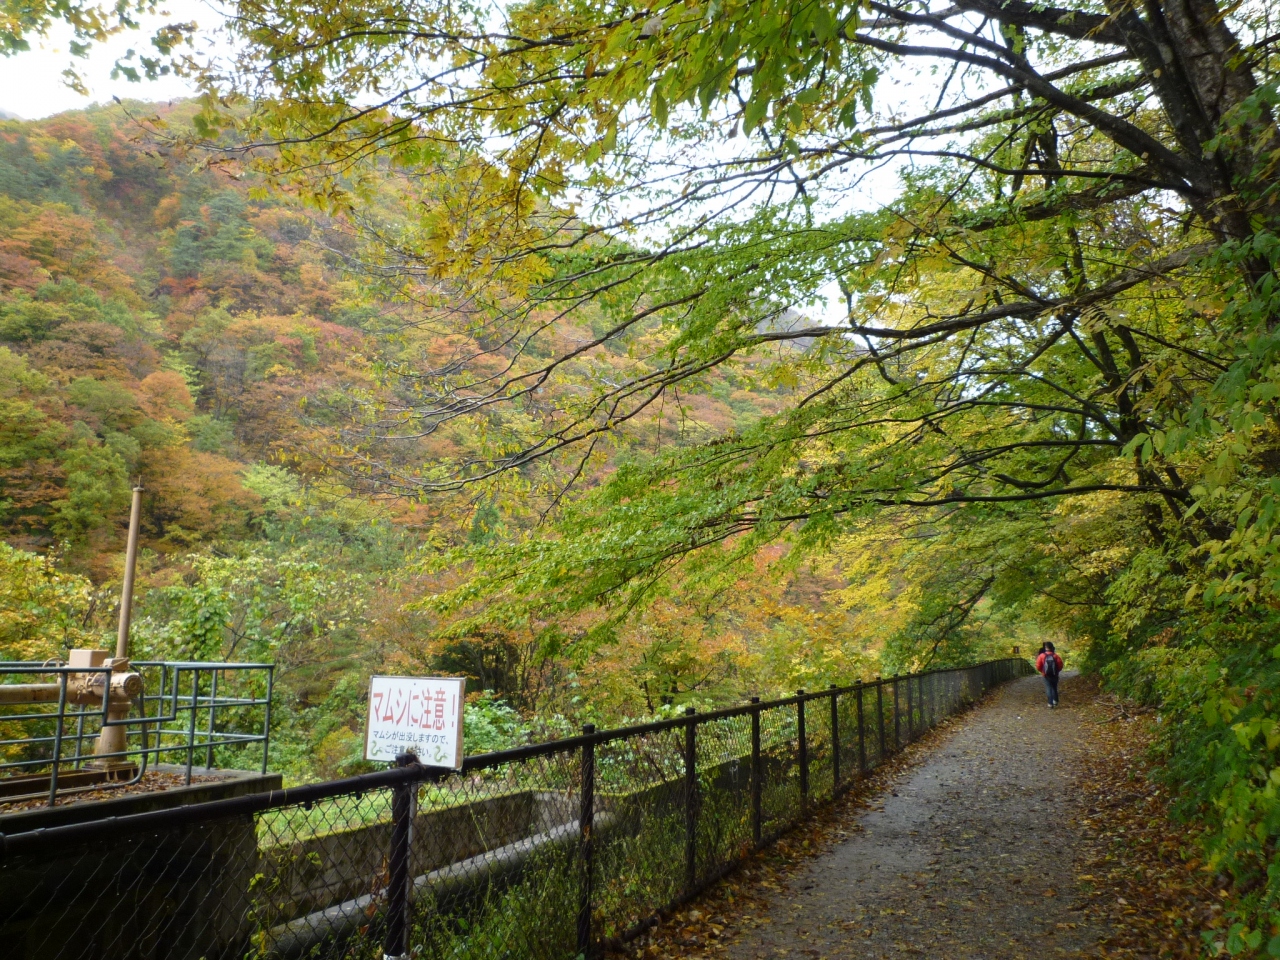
x,y
79,738
445,889
586,843
266,718
191,733
112,747
85,689
130,564
756,773
802,745
213,699
12,693
690,802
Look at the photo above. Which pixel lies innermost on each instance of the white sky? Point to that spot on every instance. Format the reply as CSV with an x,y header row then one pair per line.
x,y
31,83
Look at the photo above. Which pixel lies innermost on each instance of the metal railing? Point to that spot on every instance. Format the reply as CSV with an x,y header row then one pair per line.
x,y
554,850
183,713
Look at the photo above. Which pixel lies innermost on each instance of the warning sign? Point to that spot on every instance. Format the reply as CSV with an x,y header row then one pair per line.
x,y
421,715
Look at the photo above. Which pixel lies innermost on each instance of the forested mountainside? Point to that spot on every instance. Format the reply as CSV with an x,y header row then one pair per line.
x,y
174,327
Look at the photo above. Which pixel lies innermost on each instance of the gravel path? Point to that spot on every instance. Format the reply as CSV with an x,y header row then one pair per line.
x,y
954,859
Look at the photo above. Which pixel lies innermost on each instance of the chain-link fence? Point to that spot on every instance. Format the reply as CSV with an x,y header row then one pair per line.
x,y
555,850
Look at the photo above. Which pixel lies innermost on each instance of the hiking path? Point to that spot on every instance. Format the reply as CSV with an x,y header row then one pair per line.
x,y
968,853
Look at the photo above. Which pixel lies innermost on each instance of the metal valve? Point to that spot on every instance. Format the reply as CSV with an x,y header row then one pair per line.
x,y
87,688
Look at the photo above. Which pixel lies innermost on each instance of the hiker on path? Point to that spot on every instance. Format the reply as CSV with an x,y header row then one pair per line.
x,y
1050,665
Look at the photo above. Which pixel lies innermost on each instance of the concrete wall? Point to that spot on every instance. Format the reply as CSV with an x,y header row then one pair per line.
x,y
345,864
138,896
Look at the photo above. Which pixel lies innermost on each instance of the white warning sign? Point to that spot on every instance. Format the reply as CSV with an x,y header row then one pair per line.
x,y
421,715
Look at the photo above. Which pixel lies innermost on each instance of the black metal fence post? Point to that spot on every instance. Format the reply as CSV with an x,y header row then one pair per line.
x,y
911,717
880,715
835,742
690,803
804,751
897,718
213,698
924,705
586,844
926,700
756,773
862,734
191,732
395,946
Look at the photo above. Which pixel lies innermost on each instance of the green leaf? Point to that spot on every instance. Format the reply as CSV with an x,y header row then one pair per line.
x,y
754,113
659,108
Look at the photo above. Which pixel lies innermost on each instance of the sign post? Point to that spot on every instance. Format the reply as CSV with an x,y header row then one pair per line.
x,y
418,715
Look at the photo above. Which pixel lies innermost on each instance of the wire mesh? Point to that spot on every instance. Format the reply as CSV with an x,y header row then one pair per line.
x,y
780,768
849,736
641,836
874,714
819,749
494,865
550,851
723,803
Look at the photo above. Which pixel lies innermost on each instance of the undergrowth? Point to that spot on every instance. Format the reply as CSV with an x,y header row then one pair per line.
x,y
1218,748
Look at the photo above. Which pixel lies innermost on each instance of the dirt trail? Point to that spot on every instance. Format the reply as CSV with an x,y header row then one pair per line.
x,y
954,860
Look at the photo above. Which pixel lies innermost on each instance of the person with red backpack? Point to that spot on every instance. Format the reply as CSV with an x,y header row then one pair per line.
x,y
1050,666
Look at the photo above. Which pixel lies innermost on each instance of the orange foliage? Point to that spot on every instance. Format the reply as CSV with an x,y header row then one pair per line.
x,y
167,396
192,496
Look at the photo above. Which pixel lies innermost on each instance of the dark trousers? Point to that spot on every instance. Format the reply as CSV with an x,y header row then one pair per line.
x,y
1051,688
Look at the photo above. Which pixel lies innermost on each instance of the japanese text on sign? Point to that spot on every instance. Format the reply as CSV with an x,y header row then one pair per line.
x,y
421,715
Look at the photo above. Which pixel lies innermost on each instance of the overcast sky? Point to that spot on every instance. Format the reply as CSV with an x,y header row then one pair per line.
x,y
31,83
